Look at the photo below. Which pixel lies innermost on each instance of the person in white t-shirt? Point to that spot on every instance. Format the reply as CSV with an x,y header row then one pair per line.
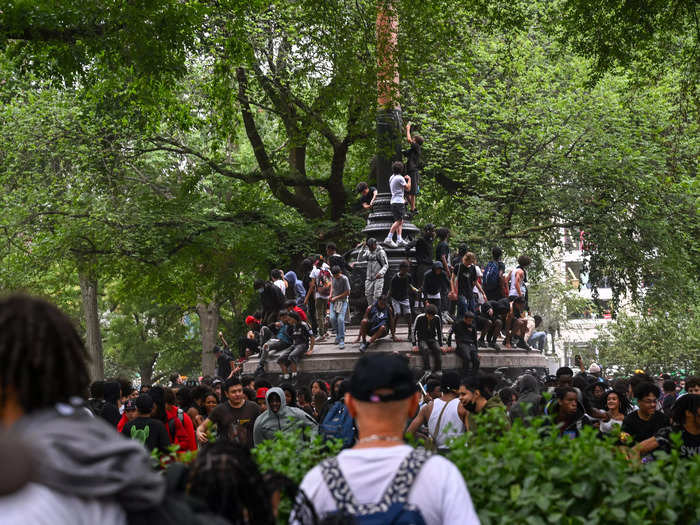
x,y
381,398
277,278
398,184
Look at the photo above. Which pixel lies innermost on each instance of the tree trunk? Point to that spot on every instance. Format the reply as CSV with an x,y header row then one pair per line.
x,y
91,315
208,326
146,371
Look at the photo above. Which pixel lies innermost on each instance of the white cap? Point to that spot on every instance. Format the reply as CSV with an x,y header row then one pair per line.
x,y
594,369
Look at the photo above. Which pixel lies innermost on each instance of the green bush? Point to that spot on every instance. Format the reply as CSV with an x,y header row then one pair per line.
x,y
530,475
293,454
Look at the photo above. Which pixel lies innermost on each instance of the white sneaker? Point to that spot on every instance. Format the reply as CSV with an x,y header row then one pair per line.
x,y
285,377
402,242
390,243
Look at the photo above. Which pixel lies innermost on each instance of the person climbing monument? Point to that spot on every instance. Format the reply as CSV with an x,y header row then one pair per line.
x,y
414,162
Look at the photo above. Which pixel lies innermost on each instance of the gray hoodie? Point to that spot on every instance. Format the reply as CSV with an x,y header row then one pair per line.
x,y
377,263
80,455
286,418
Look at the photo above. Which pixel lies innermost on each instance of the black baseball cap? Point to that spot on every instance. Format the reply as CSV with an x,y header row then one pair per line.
x,y
382,372
130,405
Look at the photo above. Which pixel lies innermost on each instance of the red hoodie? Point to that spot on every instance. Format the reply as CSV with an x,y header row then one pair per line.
x,y
184,430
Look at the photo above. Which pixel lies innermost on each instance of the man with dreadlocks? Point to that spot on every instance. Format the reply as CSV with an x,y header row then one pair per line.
x,y
96,476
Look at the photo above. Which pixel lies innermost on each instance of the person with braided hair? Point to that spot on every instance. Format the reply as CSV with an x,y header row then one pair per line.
x,y
96,476
227,480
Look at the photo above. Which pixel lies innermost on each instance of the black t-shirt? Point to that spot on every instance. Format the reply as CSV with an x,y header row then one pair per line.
x,y
366,199
465,334
399,287
466,277
640,429
424,251
442,249
338,260
413,157
690,443
433,283
235,424
157,433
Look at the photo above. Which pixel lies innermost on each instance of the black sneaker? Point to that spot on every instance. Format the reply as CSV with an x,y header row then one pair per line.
x,y
363,347
522,344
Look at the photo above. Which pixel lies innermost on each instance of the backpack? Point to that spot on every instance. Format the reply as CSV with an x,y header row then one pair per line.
x,y
393,508
338,424
171,423
490,278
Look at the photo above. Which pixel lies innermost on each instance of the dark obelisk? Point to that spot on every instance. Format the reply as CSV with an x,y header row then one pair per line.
x,y
389,141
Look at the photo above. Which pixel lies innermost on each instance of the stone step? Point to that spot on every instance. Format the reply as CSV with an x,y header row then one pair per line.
x,y
328,360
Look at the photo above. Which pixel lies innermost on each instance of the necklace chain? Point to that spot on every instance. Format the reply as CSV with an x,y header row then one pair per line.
x,y
376,437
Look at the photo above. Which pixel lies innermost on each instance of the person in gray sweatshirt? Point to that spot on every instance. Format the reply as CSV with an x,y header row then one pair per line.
x,y
279,417
84,472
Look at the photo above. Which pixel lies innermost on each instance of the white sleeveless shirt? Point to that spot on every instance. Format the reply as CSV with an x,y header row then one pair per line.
x,y
451,425
513,291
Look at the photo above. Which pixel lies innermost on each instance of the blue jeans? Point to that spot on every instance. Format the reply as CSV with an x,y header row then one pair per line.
x,y
464,304
538,340
338,321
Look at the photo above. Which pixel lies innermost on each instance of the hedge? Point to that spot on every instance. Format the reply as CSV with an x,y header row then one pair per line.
x,y
528,474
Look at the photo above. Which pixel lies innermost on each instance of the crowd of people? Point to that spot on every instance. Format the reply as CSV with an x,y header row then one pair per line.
x,y
82,453
484,306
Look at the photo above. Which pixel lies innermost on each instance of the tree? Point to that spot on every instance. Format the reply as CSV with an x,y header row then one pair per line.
x,y
521,146
657,342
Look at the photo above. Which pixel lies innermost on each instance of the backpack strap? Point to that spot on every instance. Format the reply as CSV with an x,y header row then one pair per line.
x,y
437,427
402,483
338,486
397,492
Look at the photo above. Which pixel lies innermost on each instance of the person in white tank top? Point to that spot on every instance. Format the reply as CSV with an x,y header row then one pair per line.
x,y
517,278
446,414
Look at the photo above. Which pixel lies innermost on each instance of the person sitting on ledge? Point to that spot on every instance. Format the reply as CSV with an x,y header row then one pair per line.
x,y
465,343
376,323
426,335
302,344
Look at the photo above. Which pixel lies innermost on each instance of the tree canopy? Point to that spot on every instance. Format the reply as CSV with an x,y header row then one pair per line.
x,y
157,157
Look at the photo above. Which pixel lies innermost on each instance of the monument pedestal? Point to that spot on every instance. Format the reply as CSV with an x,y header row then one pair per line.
x,y
328,361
